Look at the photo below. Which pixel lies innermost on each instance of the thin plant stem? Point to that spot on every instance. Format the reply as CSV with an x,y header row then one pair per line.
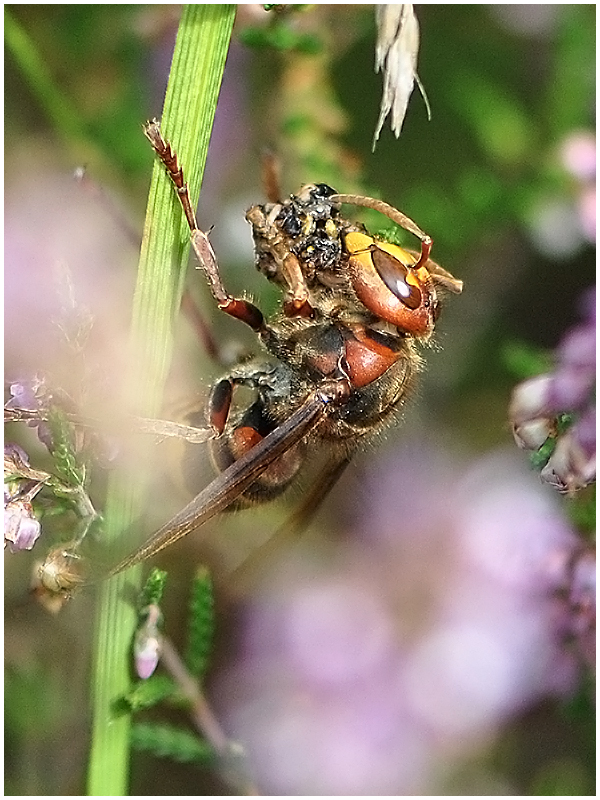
x,y
231,760
195,78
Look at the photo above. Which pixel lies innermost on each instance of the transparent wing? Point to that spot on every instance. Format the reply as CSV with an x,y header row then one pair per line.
x,y
232,482
262,559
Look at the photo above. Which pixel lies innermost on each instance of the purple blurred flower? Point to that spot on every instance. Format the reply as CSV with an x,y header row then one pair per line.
x,y
572,464
530,413
24,394
34,395
562,224
15,459
537,402
21,528
578,157
586,208
576,610
582,606
410,648
31,395
21,484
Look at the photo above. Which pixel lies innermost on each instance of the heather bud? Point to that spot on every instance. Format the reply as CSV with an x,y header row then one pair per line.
x,y
147,644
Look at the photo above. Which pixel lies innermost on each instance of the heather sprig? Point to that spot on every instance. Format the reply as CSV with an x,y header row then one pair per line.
x,y
559,406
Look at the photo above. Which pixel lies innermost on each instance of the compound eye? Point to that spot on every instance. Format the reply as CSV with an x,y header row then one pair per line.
x,y
389,286
395,276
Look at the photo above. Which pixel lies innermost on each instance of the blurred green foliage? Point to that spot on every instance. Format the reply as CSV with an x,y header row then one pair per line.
x,y
166,741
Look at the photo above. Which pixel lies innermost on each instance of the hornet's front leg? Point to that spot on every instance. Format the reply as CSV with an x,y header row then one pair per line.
x,y
240,309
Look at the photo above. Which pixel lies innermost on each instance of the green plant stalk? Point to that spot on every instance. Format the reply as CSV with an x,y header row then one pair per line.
x,y
190,102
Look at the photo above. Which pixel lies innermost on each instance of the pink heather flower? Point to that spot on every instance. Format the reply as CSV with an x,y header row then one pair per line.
x,y
586,206
572,465
570,389
147,643
147,654
578,155
13,450
582,605
31,395
21,484
21,528
576,609
529,412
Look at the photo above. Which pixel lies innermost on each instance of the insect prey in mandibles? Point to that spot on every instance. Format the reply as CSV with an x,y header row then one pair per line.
x,y
338,359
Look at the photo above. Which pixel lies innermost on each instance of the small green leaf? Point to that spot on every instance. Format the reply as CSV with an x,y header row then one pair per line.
x,y
392,235
167,741
540,457
67,464
153,589
147,693
201,623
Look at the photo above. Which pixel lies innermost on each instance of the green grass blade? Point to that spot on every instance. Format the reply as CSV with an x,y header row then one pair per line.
x,y
190,103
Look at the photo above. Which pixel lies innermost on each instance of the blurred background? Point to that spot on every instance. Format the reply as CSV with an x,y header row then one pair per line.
x,y
413,642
